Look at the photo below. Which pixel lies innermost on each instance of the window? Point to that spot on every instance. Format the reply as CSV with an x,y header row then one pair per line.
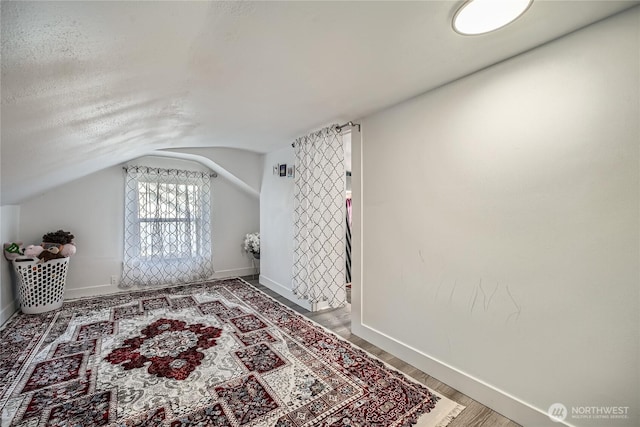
x,y
169,220
167,226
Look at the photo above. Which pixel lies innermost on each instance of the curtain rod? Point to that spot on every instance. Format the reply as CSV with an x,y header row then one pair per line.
x,y
350,124
126,169
339,128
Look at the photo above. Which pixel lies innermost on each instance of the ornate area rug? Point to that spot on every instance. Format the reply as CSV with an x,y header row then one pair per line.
x,y
213,354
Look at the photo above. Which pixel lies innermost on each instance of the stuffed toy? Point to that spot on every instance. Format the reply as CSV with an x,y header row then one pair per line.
x,y
13,250
60,237
49,254
62,240
68,250
33,251
58,244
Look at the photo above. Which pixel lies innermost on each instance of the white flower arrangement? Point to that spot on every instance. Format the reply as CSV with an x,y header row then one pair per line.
x,y
252,243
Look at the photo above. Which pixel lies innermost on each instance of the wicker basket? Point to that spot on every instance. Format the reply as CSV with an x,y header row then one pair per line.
x,y
41,285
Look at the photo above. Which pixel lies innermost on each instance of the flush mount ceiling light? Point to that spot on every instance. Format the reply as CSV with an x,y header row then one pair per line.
x,y
483,16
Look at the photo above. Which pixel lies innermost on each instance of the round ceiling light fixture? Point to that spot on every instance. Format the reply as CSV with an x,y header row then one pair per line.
x,y
483,16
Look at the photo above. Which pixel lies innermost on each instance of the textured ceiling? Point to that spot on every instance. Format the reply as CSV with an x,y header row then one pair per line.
x,y
87,85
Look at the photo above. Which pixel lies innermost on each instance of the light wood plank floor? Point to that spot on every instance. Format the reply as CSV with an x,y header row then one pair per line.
x,y
339,321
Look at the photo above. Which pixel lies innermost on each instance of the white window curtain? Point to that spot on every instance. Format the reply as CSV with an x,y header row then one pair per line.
x,y
319,226
167,236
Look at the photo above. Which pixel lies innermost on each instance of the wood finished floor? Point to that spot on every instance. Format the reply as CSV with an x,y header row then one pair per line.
x,y
339,321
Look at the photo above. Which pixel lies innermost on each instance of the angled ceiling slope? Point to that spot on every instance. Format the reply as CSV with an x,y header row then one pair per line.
x,y
87,85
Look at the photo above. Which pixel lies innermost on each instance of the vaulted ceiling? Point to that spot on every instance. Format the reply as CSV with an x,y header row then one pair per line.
x,y
87,85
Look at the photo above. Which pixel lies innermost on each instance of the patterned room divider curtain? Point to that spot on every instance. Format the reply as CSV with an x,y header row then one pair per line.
x,y
348,240
167,227
319,225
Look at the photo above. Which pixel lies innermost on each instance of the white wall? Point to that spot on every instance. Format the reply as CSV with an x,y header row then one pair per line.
x,y
500,228
10,220
92,208
243,164
235,213
276,227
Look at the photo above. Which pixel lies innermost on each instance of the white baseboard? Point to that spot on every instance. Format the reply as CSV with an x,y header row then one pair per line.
x,y
94,291
284,291
8,311
498,400
90,291
234,272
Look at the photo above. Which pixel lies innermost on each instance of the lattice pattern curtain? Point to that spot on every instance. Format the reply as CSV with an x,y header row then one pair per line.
x,y
167,227
348,240
319,218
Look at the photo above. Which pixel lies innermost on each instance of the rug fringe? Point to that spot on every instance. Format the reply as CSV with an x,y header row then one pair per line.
x,y
451,416
441,419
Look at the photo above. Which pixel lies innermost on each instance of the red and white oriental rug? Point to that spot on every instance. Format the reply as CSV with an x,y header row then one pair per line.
x,y
213,354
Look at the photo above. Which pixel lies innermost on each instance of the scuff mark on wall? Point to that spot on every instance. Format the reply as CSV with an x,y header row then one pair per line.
x,y
516,314
453,291
482,298
491,296
474,298
438,289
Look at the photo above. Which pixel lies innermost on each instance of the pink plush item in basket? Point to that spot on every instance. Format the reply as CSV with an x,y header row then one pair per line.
x,y
33,251
68,250
13,250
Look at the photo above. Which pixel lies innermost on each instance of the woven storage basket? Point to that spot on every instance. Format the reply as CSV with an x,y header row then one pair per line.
x,y
41,285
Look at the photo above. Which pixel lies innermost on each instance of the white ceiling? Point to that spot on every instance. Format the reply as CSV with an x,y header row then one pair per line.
x,y
87,85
